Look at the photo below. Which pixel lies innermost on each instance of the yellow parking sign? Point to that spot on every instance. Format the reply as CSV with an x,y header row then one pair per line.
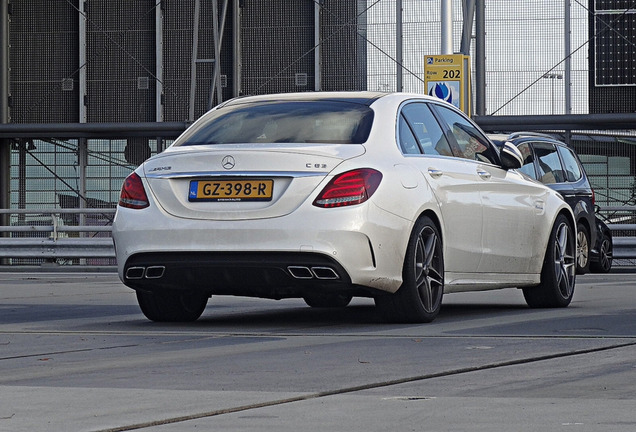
x,y
447,77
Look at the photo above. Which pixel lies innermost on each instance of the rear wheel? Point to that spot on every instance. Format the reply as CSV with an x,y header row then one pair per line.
x,y
604,264
419,299
328,300
559,269
170,306
582,249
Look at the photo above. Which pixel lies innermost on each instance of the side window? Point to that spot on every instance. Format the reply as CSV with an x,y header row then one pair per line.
x,y
548,163
528,160
408,143
427,130
472,144
571,165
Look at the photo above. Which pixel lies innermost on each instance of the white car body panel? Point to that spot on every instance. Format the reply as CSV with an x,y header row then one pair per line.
x,y
297,171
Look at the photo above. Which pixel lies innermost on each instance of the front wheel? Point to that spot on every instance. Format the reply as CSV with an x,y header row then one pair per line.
x,y
559,269
419,299
171,306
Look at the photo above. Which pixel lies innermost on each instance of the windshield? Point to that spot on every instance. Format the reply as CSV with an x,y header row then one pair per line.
x,y
320,121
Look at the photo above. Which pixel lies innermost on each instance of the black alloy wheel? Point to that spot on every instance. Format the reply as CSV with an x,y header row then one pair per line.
x,y
327,300
559,269
419,299
605,258
172,306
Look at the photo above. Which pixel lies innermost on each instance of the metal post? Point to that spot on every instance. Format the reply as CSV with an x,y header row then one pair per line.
x,y
83,115
5,144
446,12
82,156
236,55
82,143
317,48
468,14
195,56
480,58
159,64
399,57
568,57
218,42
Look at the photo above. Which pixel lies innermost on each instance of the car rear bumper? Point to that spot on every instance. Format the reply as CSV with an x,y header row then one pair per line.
x,y
264,257
256,274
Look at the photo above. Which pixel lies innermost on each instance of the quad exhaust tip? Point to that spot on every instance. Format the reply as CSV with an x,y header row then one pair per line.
x,y
322,273
298,272
151,272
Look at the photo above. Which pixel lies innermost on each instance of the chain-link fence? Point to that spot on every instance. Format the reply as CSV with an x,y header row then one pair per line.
x,y
149,60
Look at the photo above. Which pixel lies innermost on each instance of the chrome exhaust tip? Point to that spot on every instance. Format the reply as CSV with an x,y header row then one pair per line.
x,y
300,272
325,273
135,272
155,272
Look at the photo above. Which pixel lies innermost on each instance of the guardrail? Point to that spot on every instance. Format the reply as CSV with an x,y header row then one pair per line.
x,y
620,219
57,244
52,240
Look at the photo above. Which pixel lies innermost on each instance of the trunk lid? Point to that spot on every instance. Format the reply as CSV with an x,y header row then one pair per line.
x,y
237,182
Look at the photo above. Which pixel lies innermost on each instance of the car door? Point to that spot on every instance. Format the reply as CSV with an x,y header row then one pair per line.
x,y
511,205
559,168
454,182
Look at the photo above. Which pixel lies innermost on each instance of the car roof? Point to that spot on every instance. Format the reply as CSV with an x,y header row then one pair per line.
x,y
520,137
360,97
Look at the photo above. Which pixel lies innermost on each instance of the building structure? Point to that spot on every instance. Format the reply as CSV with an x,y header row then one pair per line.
x,y
112,61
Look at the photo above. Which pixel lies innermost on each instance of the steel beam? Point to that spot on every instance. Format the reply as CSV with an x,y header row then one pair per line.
x,y
5,144
480,58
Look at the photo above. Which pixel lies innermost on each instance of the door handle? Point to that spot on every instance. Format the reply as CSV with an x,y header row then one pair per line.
x,y
483,174
435,173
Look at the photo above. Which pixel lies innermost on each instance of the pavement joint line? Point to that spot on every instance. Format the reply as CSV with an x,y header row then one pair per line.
x,y
188,332
294,335
66,352
353,389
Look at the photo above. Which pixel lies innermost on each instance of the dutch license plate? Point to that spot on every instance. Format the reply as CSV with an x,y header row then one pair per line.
x,y
231,190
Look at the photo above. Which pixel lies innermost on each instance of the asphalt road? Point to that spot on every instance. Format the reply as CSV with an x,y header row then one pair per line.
x,y
77,355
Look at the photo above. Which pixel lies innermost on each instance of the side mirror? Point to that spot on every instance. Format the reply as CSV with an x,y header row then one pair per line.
x,y
511,157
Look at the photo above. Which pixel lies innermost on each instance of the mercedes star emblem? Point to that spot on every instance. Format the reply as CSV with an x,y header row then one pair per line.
x,y
228,162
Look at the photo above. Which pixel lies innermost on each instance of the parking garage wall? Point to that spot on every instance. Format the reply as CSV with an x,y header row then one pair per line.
x,y
357,42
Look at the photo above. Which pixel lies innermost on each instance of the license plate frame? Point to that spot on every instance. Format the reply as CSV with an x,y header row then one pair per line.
x,y
231,190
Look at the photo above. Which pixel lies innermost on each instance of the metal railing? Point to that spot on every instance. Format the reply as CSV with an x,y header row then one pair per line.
x,y
621,220
46,236
55,240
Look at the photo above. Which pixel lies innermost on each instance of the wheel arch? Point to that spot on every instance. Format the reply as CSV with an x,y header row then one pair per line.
x,y
567,212
433,217
585,223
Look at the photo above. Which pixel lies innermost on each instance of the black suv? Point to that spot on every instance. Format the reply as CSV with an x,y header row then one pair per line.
x,y
553,163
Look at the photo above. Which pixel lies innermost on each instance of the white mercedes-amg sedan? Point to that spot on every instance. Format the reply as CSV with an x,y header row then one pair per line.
x,y
327,196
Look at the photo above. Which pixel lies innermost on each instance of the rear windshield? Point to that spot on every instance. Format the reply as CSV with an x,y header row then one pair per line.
x,y
323,121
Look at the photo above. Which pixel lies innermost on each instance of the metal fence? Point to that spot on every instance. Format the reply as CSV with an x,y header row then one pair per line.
x,y
69,236
102,61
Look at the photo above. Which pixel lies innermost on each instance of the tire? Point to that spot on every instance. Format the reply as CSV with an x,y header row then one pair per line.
x,y
582,249
605,257
558,274
419,299
170,306
329,300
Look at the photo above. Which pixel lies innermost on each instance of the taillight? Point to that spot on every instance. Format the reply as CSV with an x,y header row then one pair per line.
x,y
133,195
351,187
